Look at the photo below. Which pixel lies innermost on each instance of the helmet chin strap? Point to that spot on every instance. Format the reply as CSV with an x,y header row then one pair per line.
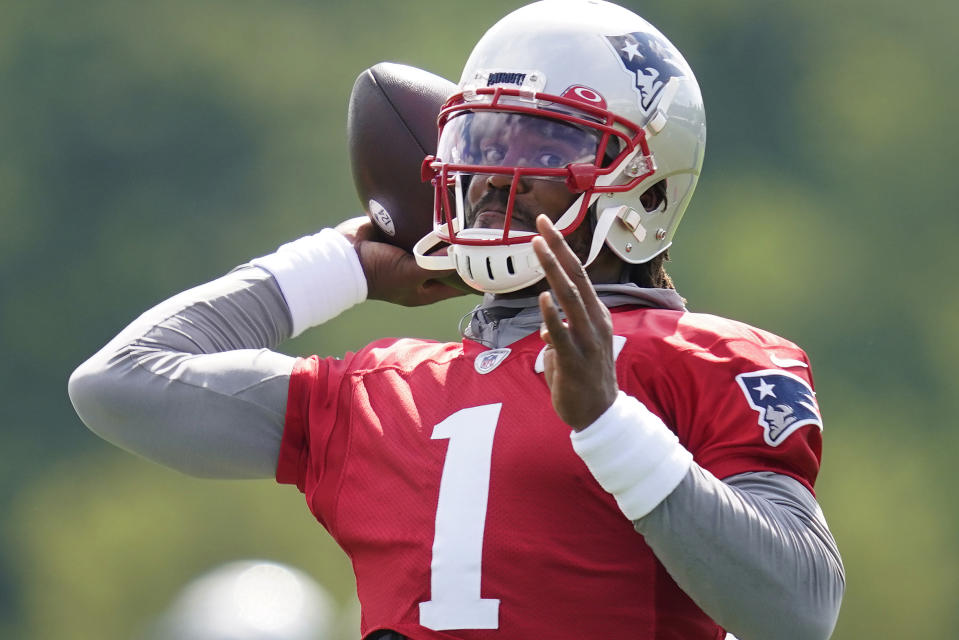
x,y
608,216
604,221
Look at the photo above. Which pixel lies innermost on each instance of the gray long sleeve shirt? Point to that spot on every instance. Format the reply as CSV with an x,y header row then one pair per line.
x,y
193,384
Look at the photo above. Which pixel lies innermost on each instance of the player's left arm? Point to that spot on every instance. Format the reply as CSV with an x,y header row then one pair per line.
x,y
753,551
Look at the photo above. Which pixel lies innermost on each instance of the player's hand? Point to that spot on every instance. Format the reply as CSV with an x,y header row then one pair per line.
x,y
391,273
580,368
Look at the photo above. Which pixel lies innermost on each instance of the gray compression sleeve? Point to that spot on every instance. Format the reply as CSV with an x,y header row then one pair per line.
x,y
753,551
192,384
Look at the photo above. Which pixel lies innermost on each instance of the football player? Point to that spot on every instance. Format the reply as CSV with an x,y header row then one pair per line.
x,y
592,460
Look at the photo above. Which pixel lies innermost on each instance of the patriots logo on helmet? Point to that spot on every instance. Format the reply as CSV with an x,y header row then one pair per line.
x,y
647,56
784,402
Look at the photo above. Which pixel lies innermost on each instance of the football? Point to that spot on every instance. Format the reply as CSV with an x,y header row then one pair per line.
x,y
391,128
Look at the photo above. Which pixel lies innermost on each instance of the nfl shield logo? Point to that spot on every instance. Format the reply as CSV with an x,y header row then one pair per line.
x,y
489,360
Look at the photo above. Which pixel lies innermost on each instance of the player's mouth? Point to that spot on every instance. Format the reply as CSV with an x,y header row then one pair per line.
x,y
489,219
496,219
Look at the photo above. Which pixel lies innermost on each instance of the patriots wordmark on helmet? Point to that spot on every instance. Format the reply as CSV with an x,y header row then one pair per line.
x,y
505,77
783,401
647,56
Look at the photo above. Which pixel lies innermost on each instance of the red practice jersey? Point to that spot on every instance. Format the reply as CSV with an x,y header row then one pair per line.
x,y
445,474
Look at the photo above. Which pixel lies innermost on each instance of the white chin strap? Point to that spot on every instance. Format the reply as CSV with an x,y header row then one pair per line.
x,y
495,268
487,268
499,268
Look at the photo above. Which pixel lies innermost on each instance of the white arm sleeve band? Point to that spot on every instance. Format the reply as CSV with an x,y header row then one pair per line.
x,y
632,455
320,277
753,551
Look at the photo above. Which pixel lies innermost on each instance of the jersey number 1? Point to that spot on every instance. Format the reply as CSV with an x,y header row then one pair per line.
x,y
456,568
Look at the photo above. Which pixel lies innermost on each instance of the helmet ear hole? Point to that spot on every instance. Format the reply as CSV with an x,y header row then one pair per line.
x,y
654,198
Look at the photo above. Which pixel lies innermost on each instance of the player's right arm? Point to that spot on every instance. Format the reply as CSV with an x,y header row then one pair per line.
x,y
195,384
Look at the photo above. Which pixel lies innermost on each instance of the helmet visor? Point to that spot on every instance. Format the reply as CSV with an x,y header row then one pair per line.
x,y
503,139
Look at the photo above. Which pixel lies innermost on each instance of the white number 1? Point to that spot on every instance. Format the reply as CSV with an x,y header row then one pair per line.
x,y
456,568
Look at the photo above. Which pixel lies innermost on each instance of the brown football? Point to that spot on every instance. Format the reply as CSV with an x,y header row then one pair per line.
x,y
391,127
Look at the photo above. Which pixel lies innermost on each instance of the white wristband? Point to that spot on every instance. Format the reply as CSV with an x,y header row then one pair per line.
x,y
633,455
320,277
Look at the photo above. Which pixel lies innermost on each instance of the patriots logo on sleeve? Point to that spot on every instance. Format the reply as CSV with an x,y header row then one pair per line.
x,y
783,401
648,57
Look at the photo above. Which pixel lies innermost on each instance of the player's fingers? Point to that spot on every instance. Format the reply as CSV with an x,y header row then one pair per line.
x,y
555,328
357,229
562,286
545,335
549,366
572,267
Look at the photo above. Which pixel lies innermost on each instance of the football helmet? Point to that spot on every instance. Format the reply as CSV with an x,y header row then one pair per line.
x,y
621,111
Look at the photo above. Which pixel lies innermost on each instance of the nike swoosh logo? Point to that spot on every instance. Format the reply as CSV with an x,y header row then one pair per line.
x,y
785,363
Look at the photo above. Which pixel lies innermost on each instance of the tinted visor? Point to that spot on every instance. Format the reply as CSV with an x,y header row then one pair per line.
x,y
503,139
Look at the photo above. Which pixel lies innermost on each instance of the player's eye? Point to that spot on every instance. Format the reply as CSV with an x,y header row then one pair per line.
x,y
493,154
551,160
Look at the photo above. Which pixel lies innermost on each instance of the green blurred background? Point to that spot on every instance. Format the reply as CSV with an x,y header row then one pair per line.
x,y
149,146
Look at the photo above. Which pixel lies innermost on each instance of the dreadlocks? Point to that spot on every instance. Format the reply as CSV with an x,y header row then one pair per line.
x,y
652,273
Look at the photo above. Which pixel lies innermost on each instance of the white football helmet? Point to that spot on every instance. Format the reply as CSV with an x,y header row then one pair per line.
x,y
618,97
